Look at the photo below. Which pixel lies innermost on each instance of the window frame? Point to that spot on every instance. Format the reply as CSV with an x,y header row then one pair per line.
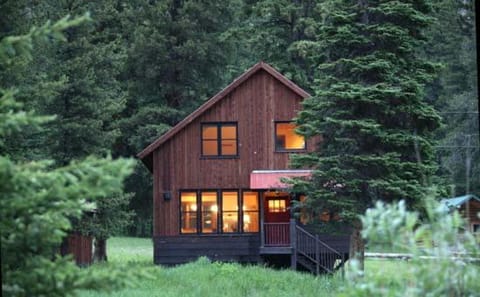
x,y
219,195
219,126
284,150
181,212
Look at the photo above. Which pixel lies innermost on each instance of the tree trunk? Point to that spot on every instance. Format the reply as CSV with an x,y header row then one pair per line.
x,y
100,250
357,245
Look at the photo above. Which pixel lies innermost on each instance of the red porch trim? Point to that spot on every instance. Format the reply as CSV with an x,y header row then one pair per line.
x,y
271,179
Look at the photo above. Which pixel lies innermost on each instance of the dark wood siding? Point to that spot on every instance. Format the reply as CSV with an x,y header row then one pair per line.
x,y
80,247
474,210
177,164
170,250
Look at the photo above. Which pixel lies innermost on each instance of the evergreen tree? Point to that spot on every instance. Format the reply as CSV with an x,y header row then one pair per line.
x,y
175,61
78,81
38,201
451,41
270,31
369,109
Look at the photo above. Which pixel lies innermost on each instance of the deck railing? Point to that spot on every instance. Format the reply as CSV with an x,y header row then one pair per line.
x,y
276,234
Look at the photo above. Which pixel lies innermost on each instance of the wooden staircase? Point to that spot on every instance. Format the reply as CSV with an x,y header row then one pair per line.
x,y
307,250
314,254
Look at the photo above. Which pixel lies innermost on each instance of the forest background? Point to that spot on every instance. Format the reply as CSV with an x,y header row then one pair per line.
x,y
119,82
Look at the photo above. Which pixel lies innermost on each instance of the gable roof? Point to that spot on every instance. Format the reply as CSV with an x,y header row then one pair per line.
x,y
453,203
145,154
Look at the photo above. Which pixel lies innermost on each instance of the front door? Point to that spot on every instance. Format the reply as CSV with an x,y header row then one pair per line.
x,y
277,219
277,209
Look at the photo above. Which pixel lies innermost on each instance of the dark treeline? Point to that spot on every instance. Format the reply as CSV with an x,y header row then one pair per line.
x,y
140,66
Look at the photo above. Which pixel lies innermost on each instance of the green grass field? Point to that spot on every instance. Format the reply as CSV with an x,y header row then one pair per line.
x,y
203,278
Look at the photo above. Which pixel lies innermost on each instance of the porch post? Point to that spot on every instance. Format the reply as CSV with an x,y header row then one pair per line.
x,y
262,234
293,244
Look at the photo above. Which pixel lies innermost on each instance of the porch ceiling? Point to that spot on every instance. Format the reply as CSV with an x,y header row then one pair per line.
x,y
271,179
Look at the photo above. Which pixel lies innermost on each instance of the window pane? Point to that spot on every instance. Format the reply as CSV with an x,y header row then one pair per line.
x,y
209,212
229,132
188,205
250,212
229,147
210,147
250,221
250,201
229,201
230,211
209,132
286,138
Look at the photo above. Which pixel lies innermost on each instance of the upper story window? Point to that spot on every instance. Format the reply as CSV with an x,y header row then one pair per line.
x,y
219,140
286,139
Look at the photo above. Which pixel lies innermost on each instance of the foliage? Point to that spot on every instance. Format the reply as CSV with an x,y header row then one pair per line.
x,y
109,217
38,199
368,107
442,253
271,31
205,278
451,41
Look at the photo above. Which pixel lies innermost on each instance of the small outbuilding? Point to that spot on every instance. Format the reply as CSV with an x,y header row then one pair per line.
x,y
468,206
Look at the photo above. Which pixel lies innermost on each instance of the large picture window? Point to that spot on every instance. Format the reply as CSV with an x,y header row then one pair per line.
x,y
286,139
217,211
219,140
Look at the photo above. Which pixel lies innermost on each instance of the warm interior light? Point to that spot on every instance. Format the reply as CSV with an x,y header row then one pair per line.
x,y
193,207
246,219
214,208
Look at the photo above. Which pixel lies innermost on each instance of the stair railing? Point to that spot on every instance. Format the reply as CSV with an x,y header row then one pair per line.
x,y
316,251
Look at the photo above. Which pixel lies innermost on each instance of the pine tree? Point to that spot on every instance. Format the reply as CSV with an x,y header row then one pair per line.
x,y
38,200
270,31
78,81
369,109
451,41
176,60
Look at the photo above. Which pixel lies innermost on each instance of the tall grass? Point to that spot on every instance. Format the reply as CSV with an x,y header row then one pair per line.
x,y
204,278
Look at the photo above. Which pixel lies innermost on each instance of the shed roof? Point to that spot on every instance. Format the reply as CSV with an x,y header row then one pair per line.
x,y
455,202
145,155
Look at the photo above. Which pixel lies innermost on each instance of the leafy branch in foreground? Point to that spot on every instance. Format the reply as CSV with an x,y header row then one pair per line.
x,y
444,257
38,202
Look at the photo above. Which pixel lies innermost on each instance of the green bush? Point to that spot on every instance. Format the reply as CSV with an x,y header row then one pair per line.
x,y
444,256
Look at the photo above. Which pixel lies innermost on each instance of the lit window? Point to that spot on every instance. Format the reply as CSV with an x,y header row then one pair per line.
x,y
286,139
250,212
219,139
188,205
209,212
216,211
230,212
277,205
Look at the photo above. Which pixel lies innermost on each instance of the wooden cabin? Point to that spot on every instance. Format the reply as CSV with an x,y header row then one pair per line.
x,y
469,208
217,189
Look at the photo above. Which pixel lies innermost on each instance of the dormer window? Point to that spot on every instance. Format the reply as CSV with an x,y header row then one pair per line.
x,y
219,140
286,139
